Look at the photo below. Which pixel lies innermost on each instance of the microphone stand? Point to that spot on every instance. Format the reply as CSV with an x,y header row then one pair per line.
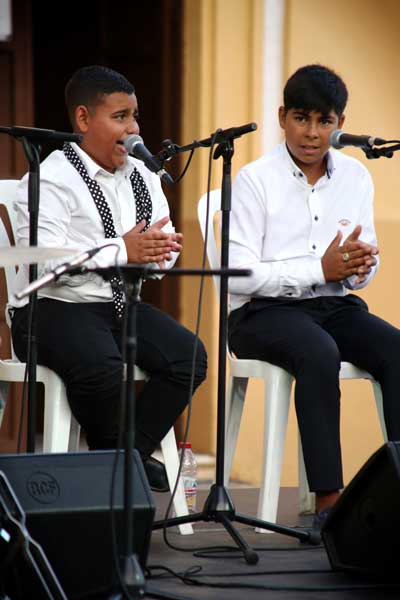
x,y
32,150
31,139
132,581
131,573
386,151
219,506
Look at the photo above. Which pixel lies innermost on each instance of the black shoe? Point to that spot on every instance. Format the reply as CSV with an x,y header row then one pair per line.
x,y
156,474
318,523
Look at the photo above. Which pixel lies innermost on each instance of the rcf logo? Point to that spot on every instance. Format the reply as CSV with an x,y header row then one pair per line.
x,y
43,488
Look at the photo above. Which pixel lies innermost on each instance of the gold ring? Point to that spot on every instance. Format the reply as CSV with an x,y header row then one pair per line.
x,y
346,256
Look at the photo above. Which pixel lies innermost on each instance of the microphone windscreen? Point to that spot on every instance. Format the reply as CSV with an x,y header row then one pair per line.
x,y
334,140
131,141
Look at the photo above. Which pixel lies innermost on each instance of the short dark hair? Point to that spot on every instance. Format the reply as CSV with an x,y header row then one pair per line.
x,y
88,85
317,88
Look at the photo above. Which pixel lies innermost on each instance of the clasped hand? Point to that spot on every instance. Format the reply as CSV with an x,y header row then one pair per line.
x,y
152,245
353,257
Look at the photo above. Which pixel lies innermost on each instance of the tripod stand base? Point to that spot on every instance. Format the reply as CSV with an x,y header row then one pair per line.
x,y
219,508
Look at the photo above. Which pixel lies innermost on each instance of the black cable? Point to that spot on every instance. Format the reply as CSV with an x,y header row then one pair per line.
x,y
28,359
197,570
197,330
293,588
186,167
188,579
118,451
23,404
216,549
260,573
122,409
24,385
234,552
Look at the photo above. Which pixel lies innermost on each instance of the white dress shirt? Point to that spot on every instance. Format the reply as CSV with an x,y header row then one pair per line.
x,y
68,217
281,225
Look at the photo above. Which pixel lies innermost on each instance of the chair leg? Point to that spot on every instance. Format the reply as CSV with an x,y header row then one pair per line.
x,y
171,461
234,410
379,406
57,413
74,435
306,498
278,385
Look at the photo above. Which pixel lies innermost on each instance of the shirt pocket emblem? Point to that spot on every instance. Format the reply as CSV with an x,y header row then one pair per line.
x,y
344,222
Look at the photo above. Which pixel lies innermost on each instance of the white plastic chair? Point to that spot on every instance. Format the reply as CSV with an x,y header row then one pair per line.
x,y
61,431
277,389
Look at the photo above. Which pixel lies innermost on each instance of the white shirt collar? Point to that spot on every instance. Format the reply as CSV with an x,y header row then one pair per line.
x,y
298,173
94,169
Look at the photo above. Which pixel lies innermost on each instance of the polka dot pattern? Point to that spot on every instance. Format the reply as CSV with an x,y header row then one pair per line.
x,y
143,211
144,206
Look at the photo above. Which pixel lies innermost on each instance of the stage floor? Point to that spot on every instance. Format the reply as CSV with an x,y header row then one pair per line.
x,y
286,569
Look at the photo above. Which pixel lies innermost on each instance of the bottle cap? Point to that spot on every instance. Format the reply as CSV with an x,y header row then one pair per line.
x,y
186,445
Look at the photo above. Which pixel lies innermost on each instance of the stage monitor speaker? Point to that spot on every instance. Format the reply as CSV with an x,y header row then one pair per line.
x,y
66,500
362,531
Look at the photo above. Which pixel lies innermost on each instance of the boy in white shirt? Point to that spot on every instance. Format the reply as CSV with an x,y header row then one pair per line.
x,y
302,221
90,195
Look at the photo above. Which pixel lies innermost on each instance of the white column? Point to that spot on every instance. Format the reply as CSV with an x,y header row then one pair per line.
x,y
274,12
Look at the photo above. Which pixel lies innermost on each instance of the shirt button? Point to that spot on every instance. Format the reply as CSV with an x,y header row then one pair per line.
x,y
312,191
316,218
300,174
314,246
313,287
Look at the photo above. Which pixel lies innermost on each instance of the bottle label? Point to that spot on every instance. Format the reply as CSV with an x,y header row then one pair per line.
x,y
190,485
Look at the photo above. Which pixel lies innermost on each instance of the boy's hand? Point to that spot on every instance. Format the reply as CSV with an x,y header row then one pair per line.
x,y
153,245
353,257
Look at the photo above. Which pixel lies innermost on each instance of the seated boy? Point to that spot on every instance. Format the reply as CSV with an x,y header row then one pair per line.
x,y
90,195
302,221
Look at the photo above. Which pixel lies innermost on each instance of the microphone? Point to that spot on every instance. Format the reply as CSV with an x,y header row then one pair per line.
x,y
42,135
57,272
135,146
340,139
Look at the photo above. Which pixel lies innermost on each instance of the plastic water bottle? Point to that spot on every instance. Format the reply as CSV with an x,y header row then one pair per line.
x,y
189,475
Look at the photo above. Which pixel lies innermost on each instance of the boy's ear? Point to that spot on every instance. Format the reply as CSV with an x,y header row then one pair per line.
x,y
282,116
82,118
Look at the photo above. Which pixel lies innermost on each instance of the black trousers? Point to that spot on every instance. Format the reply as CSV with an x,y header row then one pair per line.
x,y
309,339
82,344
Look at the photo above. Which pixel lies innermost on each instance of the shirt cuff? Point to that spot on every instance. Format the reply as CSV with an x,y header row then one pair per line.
x,y
319,273
112,254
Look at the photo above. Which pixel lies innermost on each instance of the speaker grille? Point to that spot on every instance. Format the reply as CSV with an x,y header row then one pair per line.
x,y
66,499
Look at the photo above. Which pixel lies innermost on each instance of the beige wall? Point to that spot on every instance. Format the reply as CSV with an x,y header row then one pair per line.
x,y
222,74
222,56
360,40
